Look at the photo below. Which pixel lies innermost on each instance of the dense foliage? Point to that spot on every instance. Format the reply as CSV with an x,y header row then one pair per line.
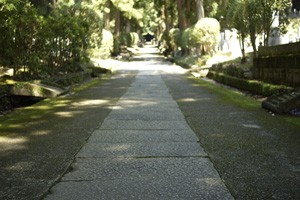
x,y
36,45
253,17
40,38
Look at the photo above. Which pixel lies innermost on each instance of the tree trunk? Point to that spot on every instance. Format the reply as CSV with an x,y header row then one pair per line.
x,y
166,16
182,23
107,16
253,43
118,23
243,37
128,26
199,9
54,3
172,16
187,9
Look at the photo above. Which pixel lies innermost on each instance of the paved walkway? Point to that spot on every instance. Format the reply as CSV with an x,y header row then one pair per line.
x,y
144,149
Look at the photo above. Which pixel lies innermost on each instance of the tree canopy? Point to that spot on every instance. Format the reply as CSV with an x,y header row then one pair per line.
x,y
55,35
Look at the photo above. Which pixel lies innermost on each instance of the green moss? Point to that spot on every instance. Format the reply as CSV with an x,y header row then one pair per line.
x,y
238,99
230,96
253,86
292,120
22,116
88,84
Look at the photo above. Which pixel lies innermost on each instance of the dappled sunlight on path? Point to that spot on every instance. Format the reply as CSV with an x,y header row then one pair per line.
x,y
144,149
149,59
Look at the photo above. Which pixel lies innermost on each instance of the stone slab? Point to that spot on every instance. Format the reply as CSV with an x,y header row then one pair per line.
x,y
129,168
138,136
154,97
174,149
142,188
148,98
153,89
149,115
146,104
145,110
143,125
156,107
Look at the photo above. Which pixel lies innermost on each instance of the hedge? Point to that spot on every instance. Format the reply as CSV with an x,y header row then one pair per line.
x,y
253,86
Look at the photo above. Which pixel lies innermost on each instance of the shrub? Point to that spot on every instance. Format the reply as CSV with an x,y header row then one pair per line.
x,y
186,42
253,86
164,43
128,39
174,39
233,70
107,44
134,39
117,45
206,32
65,35
46,45
19,26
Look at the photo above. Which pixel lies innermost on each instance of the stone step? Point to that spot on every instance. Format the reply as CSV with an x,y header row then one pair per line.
x,y
282,103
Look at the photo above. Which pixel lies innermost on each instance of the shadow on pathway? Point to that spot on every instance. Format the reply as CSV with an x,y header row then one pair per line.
x,y
144,149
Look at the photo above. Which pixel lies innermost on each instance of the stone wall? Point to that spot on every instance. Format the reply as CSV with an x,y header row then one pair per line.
x,y
279,50
279,64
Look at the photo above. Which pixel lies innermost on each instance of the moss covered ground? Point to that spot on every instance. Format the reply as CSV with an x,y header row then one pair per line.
x,y
239,99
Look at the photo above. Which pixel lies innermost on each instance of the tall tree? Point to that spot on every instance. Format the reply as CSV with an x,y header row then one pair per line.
x,y
236,21
107,12
182,21
199,9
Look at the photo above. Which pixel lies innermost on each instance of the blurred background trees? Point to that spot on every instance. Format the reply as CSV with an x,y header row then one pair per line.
x,y
40,38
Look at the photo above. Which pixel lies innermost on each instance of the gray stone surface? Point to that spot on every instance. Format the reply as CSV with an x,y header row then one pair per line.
x,y
256,161
149,115
128,168
38,149
144,149
143,125
176,149
142,188
142,136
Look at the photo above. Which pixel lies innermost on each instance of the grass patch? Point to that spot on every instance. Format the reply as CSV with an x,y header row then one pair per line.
x,y
292,120
240,100
88,84
230,96
22,116
185,61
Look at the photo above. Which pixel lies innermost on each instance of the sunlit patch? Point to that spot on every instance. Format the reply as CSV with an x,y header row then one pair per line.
x,y
187,100
7,144
62,103
90,102
197,75
116,107
254,126
14,126
64,114
41,107
119,147
40,133
20,166
134,103
210,181
9,140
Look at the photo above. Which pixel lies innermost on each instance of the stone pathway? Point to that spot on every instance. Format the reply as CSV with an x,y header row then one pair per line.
x,y
143,150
